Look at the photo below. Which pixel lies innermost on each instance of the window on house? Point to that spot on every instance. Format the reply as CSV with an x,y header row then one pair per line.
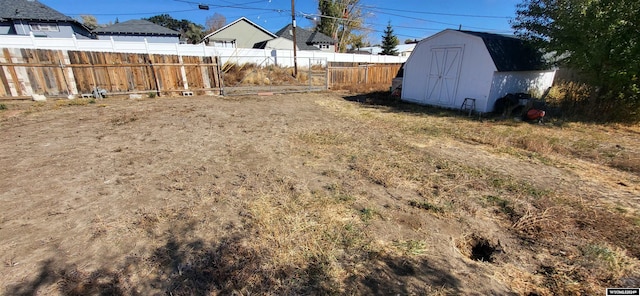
x,y
45,27
323,46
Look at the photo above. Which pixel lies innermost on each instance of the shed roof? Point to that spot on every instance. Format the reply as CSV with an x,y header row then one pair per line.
x,y
510,53
305,38
136,27
30,10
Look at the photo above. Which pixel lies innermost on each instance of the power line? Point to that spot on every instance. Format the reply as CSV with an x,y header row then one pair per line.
x,y
137,13
427,20
370,8
245,6
439,13
237,6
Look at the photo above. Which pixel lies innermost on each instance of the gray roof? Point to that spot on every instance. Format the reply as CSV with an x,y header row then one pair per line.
x,y
30,10
510,53
136,27
305,38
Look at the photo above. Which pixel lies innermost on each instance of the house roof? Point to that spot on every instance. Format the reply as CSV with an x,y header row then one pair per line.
x,y
136,27
305,38
405,47
242,19
399,48
510,53
30,10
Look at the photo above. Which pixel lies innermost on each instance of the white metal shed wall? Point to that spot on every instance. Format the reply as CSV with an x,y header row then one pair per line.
x,y
533,82
473,80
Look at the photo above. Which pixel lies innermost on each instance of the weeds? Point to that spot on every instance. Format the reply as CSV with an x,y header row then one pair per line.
x,y
521,187
609,261
427,206
124,119
366,214
3,107
504,206
411,247
75,102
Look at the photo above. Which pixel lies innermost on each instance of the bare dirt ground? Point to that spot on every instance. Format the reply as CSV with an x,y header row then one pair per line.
x,y
315,193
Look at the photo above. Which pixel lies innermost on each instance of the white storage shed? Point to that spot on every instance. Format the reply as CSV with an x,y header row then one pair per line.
x,y
452,65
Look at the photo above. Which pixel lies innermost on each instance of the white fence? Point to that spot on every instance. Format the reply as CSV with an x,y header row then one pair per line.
x,y
283,58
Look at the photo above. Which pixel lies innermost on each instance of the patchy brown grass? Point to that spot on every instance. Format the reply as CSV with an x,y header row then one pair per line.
x,y
362,88
311,194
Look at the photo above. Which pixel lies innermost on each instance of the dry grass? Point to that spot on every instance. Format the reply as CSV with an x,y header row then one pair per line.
x,y
579,101
235,75
532,212
320,195
362,88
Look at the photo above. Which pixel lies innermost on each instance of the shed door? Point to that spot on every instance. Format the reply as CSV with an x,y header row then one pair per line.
x,y
442,82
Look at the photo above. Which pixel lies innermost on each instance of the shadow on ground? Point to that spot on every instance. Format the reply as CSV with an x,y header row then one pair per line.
x,y
232,265
382,99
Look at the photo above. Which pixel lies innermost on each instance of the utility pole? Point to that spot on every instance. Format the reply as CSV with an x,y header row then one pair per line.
x,y
293,23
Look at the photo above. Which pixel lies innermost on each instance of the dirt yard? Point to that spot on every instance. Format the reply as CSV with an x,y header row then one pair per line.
x,y
314,193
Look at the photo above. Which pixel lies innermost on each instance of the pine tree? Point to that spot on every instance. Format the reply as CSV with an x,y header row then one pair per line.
x,y
389,42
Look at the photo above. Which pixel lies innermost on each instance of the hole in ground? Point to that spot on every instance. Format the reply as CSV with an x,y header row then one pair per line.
x,y
483,250
478,248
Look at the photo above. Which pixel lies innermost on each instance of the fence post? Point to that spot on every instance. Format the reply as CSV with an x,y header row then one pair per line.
x,y
366,74
10,73
310,75
183,72
72,86
220,74
75,41
327,76
204,71
33,39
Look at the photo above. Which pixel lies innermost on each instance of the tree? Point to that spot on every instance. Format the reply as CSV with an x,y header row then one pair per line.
x,y
598,38
389,42
194,33
341,20
189,31
357,42
89,21
215,22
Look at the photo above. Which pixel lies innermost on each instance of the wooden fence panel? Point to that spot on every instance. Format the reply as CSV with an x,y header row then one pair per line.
x,y
193,70
346,75
55,73
363,74
26,71
4,84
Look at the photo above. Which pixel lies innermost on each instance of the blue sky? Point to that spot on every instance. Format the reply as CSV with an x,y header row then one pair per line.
x,y
415,19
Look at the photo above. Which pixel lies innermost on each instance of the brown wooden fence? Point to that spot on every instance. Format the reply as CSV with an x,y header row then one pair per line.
x,y
362,74
24,72
52,73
